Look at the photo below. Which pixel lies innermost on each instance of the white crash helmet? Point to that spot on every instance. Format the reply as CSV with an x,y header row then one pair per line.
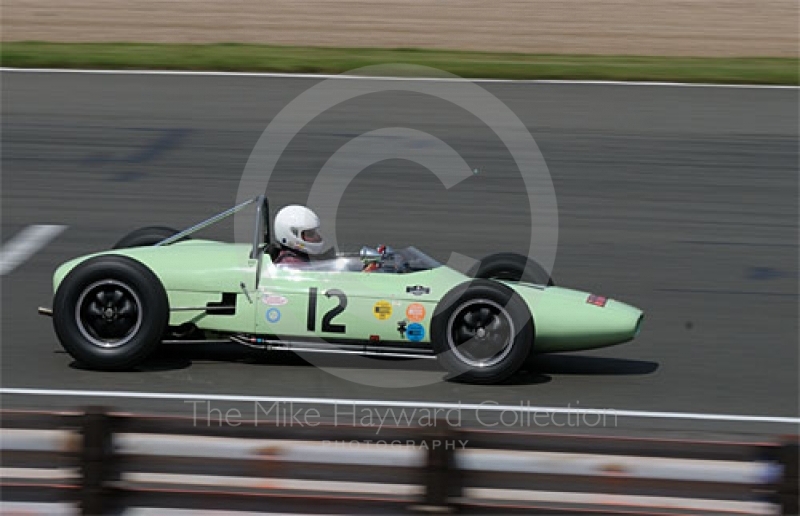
x,y
297,227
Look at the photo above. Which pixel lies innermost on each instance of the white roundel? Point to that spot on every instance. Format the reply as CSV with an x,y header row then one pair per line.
x,y
297,227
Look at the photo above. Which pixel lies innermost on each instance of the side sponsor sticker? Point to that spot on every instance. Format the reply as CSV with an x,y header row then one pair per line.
x,y
273,299
382,310
415,312
417,290
596,300
273,315
415,332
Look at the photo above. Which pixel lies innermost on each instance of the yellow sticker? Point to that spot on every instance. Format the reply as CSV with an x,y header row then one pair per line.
x,y
382,310
415,312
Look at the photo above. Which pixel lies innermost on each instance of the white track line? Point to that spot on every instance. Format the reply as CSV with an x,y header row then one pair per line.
x,y
187,397
211,73
25,244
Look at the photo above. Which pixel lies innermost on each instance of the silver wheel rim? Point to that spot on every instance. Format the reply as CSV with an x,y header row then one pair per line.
x,y
108,313
494,334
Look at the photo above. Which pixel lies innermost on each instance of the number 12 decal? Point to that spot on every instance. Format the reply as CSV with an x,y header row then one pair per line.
x,y
327,324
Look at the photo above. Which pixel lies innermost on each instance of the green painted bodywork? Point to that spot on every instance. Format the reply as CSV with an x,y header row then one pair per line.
x,y
278,299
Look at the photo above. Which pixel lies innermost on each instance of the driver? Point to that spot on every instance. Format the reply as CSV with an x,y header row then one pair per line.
x,y
297,233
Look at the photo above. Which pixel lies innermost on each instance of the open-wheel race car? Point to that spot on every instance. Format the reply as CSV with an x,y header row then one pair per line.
x,y
113,308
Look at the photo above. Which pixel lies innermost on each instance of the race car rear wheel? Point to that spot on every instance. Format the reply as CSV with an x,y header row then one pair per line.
x,y
147,236
482,332
511,267
110,312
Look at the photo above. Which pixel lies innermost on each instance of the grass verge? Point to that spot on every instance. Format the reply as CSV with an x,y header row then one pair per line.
x,y
269,58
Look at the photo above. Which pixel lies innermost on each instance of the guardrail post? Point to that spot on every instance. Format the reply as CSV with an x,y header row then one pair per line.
x,y
788,488
440,477
96,465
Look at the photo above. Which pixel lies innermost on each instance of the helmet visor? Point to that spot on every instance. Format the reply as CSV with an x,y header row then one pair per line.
x,y
311,235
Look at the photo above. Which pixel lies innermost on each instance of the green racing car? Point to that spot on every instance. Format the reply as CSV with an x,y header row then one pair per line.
x,y
113,308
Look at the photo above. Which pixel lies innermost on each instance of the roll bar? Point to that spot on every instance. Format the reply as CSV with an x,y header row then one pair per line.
x,y
261,233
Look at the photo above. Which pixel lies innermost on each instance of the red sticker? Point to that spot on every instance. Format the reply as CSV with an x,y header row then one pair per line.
x,y
596,300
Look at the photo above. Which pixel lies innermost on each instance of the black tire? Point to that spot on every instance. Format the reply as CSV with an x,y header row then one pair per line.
x,y
511,267
143,237
110,313
488,357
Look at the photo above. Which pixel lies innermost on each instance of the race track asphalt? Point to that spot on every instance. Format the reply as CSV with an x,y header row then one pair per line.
x,y
680,200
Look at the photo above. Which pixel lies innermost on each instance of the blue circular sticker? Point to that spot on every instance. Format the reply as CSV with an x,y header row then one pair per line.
x,y
273,315
415,332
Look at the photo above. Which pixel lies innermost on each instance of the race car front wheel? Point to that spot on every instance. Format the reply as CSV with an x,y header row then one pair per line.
x,y
110,312
482,332
511,267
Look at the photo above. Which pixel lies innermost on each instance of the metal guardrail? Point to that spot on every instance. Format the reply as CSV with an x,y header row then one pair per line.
x,y
101,462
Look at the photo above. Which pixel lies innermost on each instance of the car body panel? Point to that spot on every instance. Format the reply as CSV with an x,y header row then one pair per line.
x,y
566,321
347,304
379,307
